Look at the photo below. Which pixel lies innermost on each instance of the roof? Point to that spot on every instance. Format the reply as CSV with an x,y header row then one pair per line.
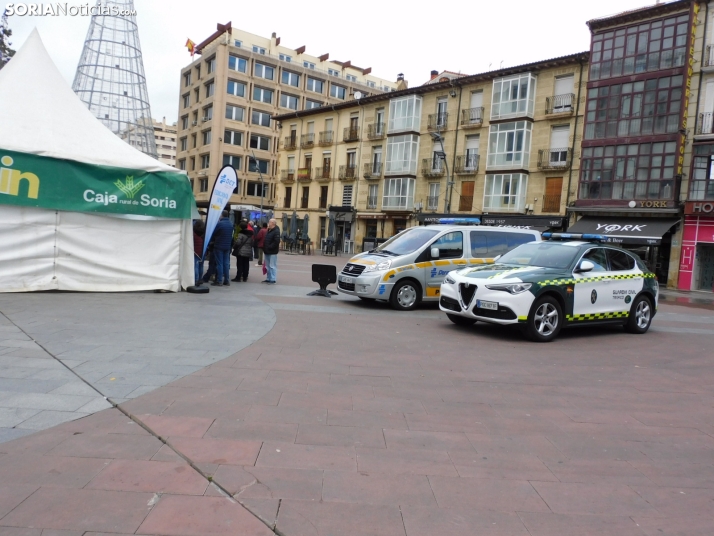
x,y
220,30
635,15
34,93
451,75
580,57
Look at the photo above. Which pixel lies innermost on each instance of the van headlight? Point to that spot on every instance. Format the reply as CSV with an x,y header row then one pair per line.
x,y
384,265
511,288
448,280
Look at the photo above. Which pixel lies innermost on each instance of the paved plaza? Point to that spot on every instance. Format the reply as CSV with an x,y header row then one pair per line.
x,y
256,410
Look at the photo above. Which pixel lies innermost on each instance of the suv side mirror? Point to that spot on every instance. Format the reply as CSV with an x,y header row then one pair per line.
x,y
585,266
434,253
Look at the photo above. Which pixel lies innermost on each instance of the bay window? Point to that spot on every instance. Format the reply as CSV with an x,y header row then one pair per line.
x,y
505,192
398,194
513,96
509,145
402,154
405,114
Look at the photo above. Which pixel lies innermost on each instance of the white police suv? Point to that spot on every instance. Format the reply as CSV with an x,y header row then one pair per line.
x,y
548,285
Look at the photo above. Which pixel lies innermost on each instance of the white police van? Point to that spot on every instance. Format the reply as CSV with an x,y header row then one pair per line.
x,y
411,266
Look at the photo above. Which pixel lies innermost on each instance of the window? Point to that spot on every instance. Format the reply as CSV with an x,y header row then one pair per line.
x,y
232,160
310,104
347,195
203,185
509,144
405,114
701,185
559,145
402,154
262,95
620,261
260,118
333,72
308,65
286,58
205,161
513,96
398,194
288,101
184,122
313,84
207,113
237,64
186,100
640,108
598,257
236,113
351,77
304,201
472,155
291,79
486,244
259,142
187,78
236,88
206,135
451,245
193,163
258,50
323,198
193,141
257,189
371,84
288,196
644,47
563,94
264,71
258,165
197,94
198,71
338,92
432,202
505,192
183,144
182,165
372,195
237,43
211,65
233,137
637,171
210,89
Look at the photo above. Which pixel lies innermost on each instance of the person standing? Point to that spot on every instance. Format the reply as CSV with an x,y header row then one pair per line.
x,y
242,250
199,229
271,246
222,239
258,242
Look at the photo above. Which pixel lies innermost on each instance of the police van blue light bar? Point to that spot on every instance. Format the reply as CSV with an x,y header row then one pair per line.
x,y
575,236
456,221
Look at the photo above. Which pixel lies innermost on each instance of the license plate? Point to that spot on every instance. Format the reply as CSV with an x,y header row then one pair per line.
x,y
346,279
487,305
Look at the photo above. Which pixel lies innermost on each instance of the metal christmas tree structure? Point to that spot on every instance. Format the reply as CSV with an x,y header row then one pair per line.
x,y
110,76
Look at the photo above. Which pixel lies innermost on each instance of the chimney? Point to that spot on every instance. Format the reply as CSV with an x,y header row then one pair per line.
x,y
400,77
401,83
434,74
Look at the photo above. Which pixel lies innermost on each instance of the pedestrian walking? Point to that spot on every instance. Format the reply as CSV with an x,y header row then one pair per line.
x,y
242,250
199,229
271,246
223,238
258,242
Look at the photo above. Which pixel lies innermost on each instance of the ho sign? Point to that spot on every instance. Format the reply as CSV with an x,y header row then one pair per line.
x,y
693,207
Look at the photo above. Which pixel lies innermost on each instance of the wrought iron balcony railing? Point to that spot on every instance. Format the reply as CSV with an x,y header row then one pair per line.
x,y
351,134
372,201
557,158
326,137
290,143
705,125
304,174
323,174
472,117
372,170
287,175
432,167
559,104
375,131
348,173
551,203
432,202
467,164
307,141
438,121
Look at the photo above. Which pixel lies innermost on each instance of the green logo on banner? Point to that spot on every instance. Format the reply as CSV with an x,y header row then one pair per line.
x,y
128,186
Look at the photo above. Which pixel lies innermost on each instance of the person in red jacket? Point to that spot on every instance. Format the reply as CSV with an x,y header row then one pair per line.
x,y
259,241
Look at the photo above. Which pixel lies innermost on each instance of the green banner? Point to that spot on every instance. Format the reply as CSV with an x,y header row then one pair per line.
x,y
39,181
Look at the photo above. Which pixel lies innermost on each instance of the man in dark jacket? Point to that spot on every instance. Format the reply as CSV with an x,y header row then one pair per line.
x,y
271,246
242,249
222,238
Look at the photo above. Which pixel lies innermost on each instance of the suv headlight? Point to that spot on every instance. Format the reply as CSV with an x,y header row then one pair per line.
x,y
384,265
511,288
448,280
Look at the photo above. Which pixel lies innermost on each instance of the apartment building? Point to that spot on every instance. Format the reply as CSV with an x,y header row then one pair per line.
x,y
499,146
229,94
165,136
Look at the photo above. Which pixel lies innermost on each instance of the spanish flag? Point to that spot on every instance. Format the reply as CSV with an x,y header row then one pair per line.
x,y
191,46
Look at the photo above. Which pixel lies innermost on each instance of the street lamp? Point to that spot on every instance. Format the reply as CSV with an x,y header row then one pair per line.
x,y
441,155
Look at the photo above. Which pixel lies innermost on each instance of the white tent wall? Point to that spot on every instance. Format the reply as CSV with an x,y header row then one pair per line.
x,y
77,251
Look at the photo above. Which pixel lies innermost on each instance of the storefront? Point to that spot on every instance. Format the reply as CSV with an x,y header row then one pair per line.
x,y
696,266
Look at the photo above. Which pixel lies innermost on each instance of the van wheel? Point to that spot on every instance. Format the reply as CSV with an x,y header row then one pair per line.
x,y
545,320
640,316
461,320
405,296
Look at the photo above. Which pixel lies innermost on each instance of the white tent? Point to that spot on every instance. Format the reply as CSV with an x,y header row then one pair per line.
x,y
81,242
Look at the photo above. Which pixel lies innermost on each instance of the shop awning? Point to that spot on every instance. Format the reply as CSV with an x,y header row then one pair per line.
x,y
627,231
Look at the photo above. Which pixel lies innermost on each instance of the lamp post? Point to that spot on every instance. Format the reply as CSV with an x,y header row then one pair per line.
x,y
442,156
262,185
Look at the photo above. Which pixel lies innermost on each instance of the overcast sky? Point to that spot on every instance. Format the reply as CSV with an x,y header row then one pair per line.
x,y
390,36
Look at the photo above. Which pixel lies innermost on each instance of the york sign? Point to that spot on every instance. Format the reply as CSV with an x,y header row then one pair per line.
x,y
613,227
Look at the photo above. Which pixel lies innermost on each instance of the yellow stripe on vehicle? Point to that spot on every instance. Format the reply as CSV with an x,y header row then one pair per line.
x,y
442,263
433,292
424,265
389,275
597,316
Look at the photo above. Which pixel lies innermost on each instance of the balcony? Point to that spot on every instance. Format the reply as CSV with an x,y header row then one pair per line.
x,y
554,158
323,202
372,170
375,131
438,121
304,175
287,175
559,104
307,141
304,202
372,202
466,203
290,143
348,173
432,167
551,203
472,117
467,165
432,202
322,174
351,134
325,139
705,125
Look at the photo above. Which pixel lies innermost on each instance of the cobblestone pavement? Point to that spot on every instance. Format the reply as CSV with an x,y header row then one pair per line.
x,y
258,410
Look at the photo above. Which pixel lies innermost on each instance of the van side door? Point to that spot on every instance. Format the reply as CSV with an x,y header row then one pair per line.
x,y
451,249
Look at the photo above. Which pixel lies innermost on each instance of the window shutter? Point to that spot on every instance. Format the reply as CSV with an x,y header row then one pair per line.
x,y
559,137
564,85
477,99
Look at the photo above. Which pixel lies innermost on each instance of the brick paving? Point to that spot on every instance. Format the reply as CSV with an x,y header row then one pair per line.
x,y
349,418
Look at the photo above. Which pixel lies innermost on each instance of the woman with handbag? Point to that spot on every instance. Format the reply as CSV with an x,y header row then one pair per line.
x,y
242,250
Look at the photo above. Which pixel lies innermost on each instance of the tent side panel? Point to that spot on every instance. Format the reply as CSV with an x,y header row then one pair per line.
x,y
187,272
109,254
27,249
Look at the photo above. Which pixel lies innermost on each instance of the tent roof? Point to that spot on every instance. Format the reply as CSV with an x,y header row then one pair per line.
x,y
40,114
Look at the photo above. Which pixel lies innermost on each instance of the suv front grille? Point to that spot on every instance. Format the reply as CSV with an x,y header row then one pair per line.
x,y
346,286
353,269
467,291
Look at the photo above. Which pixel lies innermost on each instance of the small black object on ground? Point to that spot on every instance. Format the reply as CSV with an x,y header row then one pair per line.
x,y
324,274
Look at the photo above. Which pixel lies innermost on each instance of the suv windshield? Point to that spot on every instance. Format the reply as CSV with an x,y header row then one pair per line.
x,y
546,255
407,241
